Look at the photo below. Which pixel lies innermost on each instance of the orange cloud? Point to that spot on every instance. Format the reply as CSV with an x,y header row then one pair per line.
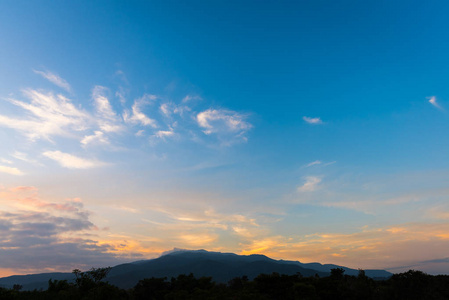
x,y
395,246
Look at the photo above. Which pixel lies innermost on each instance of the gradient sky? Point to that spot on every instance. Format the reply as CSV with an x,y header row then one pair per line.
x,y
305,130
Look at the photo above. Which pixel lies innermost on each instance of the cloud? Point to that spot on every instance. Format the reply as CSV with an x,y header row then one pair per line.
x,y
24,157
162,134
72,162
97,138
395,247
206,221
433,101
316,162
48,115
314,121
38,235
10,170
6,161
166,109
221,121
381,195
438,260
102,104
310,184
24,188
55,79
189,98
319,162
169,109
45,116
137,115
140,133
107,118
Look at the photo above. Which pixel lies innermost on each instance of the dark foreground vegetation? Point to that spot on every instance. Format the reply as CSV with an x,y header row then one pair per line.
x,y
90,285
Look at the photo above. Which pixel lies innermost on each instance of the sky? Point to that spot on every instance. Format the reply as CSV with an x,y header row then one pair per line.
x,y
310,130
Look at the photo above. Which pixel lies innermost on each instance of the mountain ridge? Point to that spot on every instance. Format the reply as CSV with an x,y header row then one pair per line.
x,y
222,267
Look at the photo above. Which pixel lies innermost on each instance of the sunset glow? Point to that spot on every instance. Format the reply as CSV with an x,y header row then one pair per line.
x,y
309,131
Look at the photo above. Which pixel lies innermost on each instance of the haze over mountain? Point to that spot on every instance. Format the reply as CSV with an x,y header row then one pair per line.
x,y
222,267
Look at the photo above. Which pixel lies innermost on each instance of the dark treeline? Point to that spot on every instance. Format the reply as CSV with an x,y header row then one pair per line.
x,y
91,285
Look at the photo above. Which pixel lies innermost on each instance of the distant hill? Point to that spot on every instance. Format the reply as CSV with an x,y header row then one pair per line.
x,y
222,267
34,281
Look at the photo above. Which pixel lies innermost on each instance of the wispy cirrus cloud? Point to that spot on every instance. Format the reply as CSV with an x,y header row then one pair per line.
x,y
166,109
189,98
55,79
205,222
102,104
314,121
97,138
107,119
319,163
25,158
162,134
48,115
313,163
311,184
10,170
71,161
223,122
137,116
433,101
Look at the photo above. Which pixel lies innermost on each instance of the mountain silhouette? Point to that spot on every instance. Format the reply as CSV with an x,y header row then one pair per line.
x,y
222,267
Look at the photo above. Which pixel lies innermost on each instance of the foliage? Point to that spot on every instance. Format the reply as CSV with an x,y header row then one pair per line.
x,y
91,285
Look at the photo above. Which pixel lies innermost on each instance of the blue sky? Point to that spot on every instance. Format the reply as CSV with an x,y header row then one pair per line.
x,y
303,130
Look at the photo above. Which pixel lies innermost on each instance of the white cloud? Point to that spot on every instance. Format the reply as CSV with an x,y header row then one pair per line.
x,y
319,162
24,157
45,115
433,101
10,170
220,120
310,184
55,79
72,162
165,109
97,138
316,162
162,134
312,120
20,156
137,115
5,161
49,115
108,119
189,98
168,109
121,95
102,104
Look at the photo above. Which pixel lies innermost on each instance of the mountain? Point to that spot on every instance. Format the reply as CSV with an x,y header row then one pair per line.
x,y
222,267
34,281
376,274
